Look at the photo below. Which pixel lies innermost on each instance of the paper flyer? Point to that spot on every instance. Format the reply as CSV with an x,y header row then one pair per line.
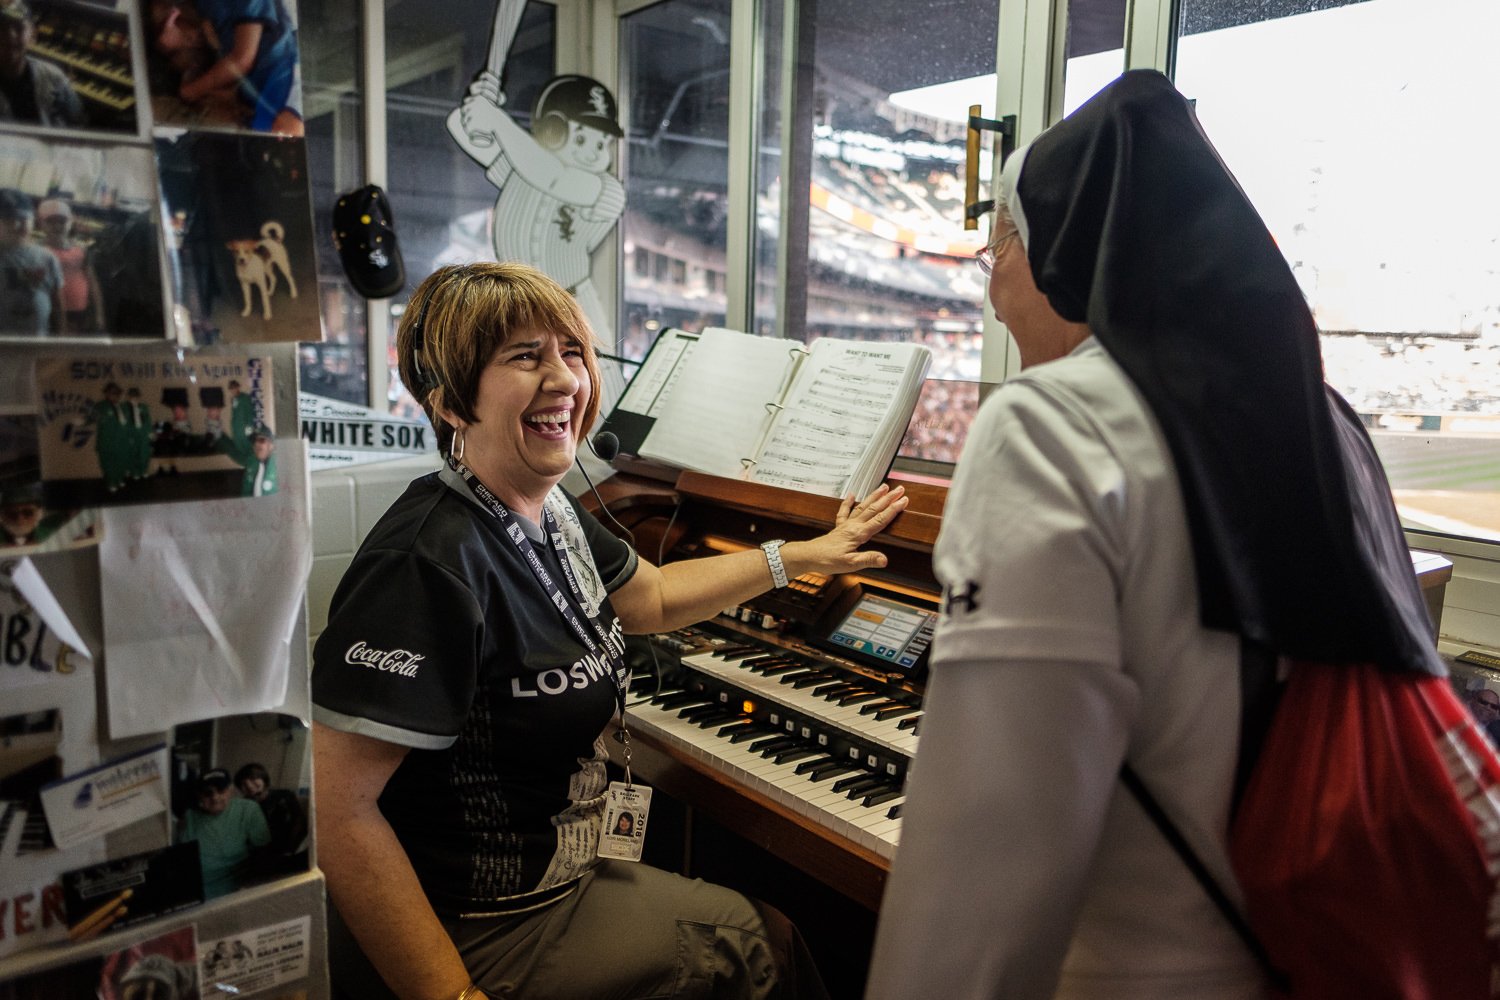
x,y
256,960
104,798
48,729
200,607
147,428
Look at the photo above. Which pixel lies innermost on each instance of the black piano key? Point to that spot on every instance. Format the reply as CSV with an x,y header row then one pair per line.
x,y
797,753
679,699
846,783
737,727
743,652
860,789
822,761
883,795
833,770
864,694
901,709
895,811
823,690
774,745
809,679
755,661
716,719
772,667
751,732
694,712
910,722
877,706
804,671
781,668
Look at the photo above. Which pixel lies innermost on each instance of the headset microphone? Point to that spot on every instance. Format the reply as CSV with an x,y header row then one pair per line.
x,y
605,446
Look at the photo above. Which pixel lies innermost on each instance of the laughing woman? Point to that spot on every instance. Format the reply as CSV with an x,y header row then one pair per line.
x,y
473,662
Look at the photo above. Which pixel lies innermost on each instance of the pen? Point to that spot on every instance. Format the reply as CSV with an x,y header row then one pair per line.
x,y
101,918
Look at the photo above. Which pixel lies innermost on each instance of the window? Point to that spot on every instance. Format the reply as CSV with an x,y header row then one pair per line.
x,y
329,38
1368,164
876,250
675,73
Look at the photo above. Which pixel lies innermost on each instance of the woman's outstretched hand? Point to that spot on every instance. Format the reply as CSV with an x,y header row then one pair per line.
x,y
841,550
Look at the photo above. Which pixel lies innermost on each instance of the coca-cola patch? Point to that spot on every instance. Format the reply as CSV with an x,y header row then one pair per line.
x,y
395,661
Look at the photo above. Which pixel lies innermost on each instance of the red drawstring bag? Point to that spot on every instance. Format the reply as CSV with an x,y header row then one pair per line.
x,y
1367,841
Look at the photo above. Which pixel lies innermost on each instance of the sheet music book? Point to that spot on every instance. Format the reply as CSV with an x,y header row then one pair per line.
x,y
824,419
642,402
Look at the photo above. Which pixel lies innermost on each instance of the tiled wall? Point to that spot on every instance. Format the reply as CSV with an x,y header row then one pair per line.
x,y
345,504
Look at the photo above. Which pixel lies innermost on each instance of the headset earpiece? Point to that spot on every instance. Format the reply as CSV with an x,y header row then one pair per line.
x,y
426,378
551,130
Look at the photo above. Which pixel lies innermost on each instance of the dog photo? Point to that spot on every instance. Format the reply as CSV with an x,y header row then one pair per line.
x,y
239,216
257,264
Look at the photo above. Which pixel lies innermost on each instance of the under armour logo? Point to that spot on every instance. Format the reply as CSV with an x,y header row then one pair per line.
x,y
565,222
965,600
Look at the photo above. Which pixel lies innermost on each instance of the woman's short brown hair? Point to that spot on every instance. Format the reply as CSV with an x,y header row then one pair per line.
x,y
461,315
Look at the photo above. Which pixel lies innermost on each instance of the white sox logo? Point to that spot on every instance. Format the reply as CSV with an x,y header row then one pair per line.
x,y
397,661
599,101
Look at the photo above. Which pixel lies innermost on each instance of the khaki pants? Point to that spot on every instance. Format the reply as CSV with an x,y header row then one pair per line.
x,y
628,932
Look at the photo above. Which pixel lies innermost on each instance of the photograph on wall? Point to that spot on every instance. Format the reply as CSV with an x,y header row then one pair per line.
x,y
80,242
240,237
112,895
162,968
150,428
240,789
226,65
67,64
27,525
1475,677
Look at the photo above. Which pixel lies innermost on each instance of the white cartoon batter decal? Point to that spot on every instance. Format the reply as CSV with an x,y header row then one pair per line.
x,y
557,199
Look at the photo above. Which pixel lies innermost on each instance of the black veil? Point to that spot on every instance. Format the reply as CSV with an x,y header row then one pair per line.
x,y
1134,225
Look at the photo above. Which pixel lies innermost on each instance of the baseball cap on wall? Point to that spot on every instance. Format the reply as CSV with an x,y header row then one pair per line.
x,y
365,235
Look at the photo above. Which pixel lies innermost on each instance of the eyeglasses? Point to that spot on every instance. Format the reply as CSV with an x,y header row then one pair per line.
x,y
986,257
1487,704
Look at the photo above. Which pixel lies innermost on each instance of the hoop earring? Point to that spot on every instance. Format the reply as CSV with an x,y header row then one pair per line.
x,y
458,452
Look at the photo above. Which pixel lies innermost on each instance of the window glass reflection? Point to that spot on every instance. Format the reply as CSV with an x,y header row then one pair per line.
x,y
881,242
675,71
1374,176
329,36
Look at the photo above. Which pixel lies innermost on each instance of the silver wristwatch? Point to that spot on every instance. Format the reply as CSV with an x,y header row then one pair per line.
x,y
772,549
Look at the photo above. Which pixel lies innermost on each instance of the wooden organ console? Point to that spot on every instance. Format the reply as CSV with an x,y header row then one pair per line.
x,y
777,720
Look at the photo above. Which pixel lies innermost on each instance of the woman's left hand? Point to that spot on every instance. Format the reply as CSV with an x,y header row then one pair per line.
x,y
840,550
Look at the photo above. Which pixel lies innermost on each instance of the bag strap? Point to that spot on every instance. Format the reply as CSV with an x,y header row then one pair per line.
x,y
1200,872
1259,694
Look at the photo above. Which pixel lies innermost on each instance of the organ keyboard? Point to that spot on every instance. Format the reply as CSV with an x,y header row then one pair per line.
x,y
92,43
792,720
781,720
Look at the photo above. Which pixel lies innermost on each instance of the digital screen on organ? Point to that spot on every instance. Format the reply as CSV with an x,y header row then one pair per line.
x,y
886,630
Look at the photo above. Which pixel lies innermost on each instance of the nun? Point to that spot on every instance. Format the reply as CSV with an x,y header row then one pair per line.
x,y
1167,489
